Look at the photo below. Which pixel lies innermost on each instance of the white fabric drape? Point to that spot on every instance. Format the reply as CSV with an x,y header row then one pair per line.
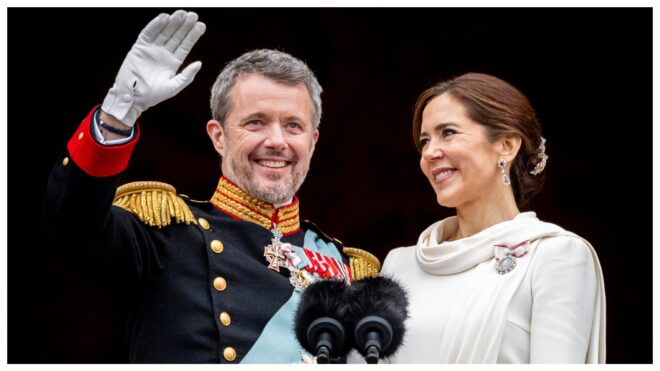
x,y
474,326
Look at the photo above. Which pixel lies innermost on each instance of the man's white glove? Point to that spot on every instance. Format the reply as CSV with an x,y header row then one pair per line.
x,y
148,75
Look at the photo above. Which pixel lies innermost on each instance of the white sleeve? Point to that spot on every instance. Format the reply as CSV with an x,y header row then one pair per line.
x,y
563,297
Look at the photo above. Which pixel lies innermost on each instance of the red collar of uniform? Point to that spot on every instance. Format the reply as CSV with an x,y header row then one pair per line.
x,y
235,202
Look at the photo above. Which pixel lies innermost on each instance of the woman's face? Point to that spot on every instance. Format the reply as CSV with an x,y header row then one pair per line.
x,y
457,157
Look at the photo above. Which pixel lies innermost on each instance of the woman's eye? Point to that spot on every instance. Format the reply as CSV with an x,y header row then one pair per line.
x,y
448,132
423,142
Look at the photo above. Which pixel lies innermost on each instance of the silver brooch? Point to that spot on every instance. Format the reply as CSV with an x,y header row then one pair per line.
x,y
505,256
505,264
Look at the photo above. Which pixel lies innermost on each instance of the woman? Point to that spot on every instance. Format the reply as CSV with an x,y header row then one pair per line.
x,y
492,284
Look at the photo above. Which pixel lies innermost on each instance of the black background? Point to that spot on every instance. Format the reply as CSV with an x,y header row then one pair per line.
x,y
588,73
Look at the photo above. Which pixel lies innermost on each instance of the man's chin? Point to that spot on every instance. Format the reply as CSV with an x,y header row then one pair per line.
x,y
269,181
273,191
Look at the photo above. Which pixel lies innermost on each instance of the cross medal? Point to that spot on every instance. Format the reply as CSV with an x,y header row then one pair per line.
x,y
273,252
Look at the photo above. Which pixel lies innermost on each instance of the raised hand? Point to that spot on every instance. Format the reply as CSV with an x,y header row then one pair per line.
x,y
148,75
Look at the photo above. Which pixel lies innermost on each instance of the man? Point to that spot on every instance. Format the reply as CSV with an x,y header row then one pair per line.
x,y
213,281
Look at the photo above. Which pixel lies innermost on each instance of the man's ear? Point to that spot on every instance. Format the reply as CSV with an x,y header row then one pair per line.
x,y
315,137
216,133
509,145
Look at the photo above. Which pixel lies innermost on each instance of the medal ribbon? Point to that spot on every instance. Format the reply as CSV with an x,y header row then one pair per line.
x,y
324,266
289,251
518,250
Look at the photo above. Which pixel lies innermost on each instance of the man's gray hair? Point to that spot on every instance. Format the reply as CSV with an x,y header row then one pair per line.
x,y
276,65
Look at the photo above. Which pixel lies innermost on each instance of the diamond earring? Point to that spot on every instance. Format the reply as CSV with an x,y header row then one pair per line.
x,y
501,163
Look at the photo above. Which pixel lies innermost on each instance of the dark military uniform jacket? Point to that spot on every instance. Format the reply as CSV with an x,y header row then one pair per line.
x,y
192,277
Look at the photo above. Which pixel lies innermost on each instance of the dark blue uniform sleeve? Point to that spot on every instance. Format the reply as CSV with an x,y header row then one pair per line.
x,y
104,242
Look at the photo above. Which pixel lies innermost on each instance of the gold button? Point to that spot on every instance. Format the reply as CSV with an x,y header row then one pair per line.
x,y
219,283
204,223
229,353
80,136
65,161
217,246
225,319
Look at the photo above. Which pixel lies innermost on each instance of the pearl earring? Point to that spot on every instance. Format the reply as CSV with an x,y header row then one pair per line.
x,y
501,163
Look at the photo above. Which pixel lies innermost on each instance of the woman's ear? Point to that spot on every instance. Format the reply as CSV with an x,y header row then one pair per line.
x,y
509,145
216,133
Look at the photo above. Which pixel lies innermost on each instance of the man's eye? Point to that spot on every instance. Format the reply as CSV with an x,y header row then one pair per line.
x,y
253,123
294,125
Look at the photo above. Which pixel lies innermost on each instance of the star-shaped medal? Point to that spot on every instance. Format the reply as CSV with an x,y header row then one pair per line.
x,y
273,252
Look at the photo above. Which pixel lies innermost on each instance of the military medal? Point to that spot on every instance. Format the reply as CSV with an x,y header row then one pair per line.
x,y
305,266
301,278
505,256
297,280
301,274
273,252
307,358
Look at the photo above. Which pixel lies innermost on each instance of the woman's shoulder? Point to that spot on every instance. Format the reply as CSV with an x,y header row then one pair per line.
x,y
398,257
402,250
566,263
554,238
400,253
568,246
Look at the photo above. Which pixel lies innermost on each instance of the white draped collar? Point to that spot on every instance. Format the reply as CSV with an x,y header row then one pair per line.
x,y
439,257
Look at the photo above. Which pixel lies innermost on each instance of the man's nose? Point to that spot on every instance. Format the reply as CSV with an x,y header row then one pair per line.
x,y
275,137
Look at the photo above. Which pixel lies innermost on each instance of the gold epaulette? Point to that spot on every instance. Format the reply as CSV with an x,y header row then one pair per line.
x,y
363,263
154,203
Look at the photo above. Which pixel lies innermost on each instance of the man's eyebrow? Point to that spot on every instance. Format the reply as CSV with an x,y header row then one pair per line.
x,y
256,115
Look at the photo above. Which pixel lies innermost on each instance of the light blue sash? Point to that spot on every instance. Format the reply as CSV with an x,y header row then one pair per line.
x,y
277,342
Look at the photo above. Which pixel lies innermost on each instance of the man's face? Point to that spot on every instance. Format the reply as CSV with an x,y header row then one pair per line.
x,y
268,139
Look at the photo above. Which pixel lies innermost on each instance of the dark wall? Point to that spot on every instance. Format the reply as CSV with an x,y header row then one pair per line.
x,y
588,72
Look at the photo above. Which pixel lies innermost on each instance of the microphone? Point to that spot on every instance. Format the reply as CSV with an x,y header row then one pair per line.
x,y
378,309
321,321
